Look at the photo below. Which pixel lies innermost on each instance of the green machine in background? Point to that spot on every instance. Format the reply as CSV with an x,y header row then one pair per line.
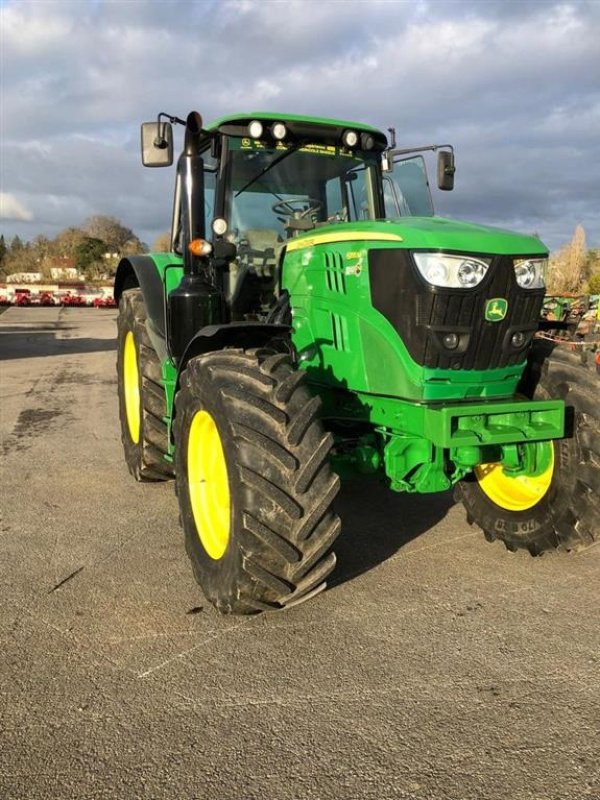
x,y
314,320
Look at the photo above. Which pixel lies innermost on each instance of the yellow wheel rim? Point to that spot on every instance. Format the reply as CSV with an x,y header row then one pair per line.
x,y
208,485
131,387
514,493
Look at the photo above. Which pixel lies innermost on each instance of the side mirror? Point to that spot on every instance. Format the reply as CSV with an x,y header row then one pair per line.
x,y
445,170
157,144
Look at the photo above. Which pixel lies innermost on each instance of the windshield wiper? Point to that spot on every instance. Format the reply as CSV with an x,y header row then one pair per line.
x,y
264,170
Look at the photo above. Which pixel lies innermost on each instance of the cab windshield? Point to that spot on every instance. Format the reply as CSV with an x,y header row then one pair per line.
x,y
275,193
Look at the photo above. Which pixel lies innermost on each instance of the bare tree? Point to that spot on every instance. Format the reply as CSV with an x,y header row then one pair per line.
x,y
66,242
567,270
162,243
118,238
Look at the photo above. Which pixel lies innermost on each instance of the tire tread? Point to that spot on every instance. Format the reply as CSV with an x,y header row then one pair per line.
x,y
574,522
287,524
146,460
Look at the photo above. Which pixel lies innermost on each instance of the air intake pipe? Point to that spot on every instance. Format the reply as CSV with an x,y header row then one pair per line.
x,y
191,169
197,301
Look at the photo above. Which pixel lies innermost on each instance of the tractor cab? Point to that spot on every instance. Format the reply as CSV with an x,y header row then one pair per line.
x,y
263,180
266,180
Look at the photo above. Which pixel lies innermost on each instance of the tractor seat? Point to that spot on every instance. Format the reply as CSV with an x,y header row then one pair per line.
x,y
258,250
252,274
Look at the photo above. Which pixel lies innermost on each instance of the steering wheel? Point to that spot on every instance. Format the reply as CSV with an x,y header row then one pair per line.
x,y
291,208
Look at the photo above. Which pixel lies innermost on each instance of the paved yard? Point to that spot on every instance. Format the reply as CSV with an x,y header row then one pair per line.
x,y
436,665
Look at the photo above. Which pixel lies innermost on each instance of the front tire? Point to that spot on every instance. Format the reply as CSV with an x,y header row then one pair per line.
x,y
567,514
253,481
142,400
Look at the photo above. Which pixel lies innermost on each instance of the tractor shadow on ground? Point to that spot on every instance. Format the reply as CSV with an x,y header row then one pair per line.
x,y
19,343
377,522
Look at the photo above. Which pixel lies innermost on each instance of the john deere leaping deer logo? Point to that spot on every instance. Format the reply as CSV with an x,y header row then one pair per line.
x,y
495,309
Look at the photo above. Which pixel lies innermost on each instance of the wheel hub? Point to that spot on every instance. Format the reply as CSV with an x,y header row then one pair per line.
x,y
208,485
518,492
131,386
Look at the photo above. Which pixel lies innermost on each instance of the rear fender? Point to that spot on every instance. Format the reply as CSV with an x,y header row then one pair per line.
x,y
143,272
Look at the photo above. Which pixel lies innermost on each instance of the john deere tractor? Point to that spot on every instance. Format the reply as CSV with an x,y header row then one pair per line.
x,y
314,320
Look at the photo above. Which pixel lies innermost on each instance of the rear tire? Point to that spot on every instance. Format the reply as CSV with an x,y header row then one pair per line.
x,y
256,501
142,400
568,516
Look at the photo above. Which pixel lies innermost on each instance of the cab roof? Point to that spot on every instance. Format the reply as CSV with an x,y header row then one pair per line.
x,y
282,117
300,128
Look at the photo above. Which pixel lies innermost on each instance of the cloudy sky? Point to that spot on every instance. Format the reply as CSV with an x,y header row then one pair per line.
x,y
515,86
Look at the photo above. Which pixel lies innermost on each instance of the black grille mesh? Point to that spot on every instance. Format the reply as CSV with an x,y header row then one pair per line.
x,y
422,314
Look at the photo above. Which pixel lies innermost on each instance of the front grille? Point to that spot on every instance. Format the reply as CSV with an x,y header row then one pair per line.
x,y
423,314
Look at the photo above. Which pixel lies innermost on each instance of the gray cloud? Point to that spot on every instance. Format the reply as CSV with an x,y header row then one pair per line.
x,y
514,86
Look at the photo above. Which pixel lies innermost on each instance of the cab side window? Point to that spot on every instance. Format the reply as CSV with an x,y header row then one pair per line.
x,y
211,166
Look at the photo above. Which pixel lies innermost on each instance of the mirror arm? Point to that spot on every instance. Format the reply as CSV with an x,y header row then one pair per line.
x,y
160,141
170,118
433,147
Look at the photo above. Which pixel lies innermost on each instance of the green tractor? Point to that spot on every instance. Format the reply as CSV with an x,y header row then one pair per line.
x,y
314,320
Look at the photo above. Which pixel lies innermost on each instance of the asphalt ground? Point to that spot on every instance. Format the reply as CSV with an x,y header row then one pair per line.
x,y
435,666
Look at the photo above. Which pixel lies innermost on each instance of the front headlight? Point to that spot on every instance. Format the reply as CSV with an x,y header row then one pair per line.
x,y
450,271
531,272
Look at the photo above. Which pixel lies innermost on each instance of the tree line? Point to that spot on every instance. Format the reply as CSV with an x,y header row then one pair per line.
x,y
93,249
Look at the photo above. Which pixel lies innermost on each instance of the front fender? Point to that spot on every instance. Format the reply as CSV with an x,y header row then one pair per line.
x,y
233,334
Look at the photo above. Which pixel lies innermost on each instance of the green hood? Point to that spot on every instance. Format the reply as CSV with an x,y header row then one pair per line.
x,y
435,233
